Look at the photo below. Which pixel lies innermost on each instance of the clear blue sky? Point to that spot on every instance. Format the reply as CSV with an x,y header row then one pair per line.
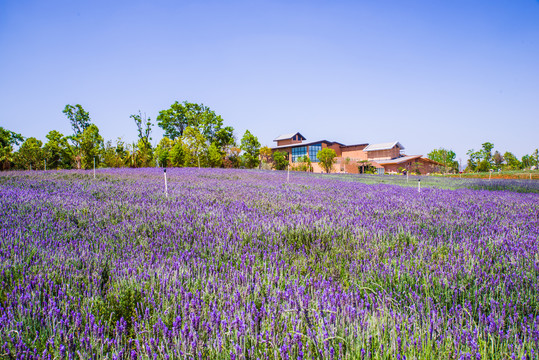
x,y
430,73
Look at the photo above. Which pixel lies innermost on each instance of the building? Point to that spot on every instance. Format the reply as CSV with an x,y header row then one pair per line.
x,y
357,158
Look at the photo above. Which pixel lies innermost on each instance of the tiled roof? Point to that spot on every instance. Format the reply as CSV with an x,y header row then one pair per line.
x,y
383,146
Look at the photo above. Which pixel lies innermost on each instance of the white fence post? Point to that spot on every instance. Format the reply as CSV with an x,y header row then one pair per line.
x,y
166,186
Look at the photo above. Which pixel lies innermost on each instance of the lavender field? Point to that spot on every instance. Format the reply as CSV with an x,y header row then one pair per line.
x,y
239,264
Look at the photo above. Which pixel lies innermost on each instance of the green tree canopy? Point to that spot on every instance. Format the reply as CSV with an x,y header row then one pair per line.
x,y
498,159
114,154
327,157
280,160
78,117
177,154
215,158
486,151
7,140
144,155
57,151
445,157
224,138
162,151
179,116
144,128
30,155
194,147
512,161
91,146
251,149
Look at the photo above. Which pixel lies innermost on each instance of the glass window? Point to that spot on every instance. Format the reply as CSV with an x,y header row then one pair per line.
x,y
298,152
313,151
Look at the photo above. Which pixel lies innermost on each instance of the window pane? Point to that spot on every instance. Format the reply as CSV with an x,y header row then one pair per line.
x,y
298,152
313,151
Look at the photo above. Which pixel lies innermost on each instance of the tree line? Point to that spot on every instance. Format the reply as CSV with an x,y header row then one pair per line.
x,y
194,135
484,160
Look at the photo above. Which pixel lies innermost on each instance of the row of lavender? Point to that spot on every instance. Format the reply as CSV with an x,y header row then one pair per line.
x,y
240,264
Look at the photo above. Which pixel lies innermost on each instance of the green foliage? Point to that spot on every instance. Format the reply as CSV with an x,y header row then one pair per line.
x,y
482,159
57,151
224,138
215,159
527,161
144,148
445,157
498,159
232,159
266,155
365,167
162,152
194,147
177,154
280,160
30,155
251,149
119,307
486,151
327,157
78,117
303,163
144,128
114,155
175,120
511,161
91,146
7,140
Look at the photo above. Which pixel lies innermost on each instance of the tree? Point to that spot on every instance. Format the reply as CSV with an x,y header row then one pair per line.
x,y
280,160
535,158
327,157
526,161
232,159
7,140
162,151
224,138
144,128
445,157
215,159
177,154
30,155
91,146
498,159
175,120
79,119
486,152
194,147
266,155
474,158
304,164
511,161
57,151
114,155
251,149
483,166
365,167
